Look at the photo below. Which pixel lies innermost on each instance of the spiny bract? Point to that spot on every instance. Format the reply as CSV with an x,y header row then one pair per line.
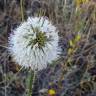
x,y
34,43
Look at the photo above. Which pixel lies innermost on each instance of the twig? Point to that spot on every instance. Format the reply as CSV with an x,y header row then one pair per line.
x,y
4,46
22,11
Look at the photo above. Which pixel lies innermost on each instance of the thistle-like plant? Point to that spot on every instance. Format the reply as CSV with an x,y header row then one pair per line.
x,y
34,43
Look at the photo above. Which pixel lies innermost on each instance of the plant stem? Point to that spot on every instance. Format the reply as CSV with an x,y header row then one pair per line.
x,y
22,11
31,82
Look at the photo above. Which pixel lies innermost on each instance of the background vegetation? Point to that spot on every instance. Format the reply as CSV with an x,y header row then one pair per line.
x,y
74,74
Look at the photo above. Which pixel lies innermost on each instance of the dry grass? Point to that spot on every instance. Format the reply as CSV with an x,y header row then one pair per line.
x,y
63,15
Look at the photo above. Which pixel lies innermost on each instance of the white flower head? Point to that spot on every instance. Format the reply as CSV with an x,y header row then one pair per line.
x,y
34,43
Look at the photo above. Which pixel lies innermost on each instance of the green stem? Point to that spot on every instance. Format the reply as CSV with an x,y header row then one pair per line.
x,y
22,11
31,82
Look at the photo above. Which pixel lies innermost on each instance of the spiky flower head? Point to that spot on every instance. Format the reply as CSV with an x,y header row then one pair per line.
x,y
34,43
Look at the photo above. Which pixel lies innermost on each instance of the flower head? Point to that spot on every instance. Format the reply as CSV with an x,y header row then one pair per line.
x,y
51,92
34,43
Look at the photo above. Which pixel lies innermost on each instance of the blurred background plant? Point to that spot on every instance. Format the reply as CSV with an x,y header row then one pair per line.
x,y
74,74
